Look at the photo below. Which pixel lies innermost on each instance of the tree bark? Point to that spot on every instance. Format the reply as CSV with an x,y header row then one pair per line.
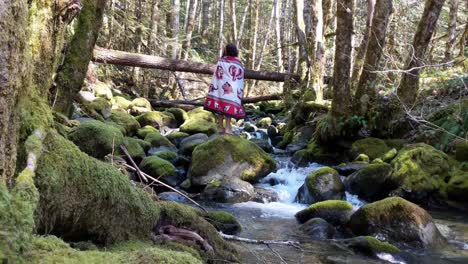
x,y
72,73
341,70
366,92
409,85
451,29
154,62
242,25
206,14
232,8
254,35
361,52
189,30
318,57
303,63
221,27
173,28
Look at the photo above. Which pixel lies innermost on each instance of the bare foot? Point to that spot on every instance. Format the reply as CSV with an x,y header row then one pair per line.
x,y
228,132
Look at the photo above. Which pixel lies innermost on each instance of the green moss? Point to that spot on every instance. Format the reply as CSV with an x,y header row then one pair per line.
x,y
166,155
396,143
461,150
207,156
362,158
177,136
194,126
379,246
121,103
158,140
333,211
157,119
144,131
372,147
200,114
332,204
100,104
80,196
96,138
457,188
389,155
264,122
157,167
224,221
34,114
125,120
421,169
312,179
179,114
141,102
136,151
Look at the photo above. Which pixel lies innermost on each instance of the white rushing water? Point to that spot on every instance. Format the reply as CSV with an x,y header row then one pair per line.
x,y
287,180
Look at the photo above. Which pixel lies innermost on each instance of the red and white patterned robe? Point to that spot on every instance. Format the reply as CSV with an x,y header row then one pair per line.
x,y
227,89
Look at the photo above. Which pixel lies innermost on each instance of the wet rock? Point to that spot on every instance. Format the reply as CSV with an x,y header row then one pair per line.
x,y
318,228
369,183
229,157
87,96
372,147
173,196
349,168
179,114
224,222
264,144
188,144
272,131
228,190
336,212
248,127
265,195
157,119
322,184
368,245
176,137
397,221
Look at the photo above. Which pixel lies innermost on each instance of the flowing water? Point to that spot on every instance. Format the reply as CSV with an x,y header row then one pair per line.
x,y
275,221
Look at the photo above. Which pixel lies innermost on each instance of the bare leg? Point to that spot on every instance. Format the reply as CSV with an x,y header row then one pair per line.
x,y
228,125
220,124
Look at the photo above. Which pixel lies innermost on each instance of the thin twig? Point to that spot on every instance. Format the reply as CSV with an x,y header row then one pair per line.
x,y
264,242
277,254
138,171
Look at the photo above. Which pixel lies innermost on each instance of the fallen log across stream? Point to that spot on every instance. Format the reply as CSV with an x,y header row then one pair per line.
x,y
116,57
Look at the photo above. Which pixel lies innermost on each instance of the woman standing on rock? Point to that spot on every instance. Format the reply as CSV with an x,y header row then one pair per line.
x,y
227,89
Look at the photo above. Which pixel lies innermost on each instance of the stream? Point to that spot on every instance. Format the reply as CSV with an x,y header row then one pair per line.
x,y
275,221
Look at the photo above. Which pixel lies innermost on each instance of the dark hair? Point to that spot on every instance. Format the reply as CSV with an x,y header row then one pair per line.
x,y
231,50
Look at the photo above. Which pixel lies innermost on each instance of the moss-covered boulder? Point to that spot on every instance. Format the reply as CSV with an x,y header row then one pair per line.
x,y
201,114
134,148
224,222
166,155
177,137
125,120
179,114
140,106
158,140
387,157
119,102
263,144
362,158
461,150
228,190
457,188
420,172
157,119
144,131
398,221
264,122
333,211
322,184
369,183
188,144
317,228
368,245
101,106
96,138
102,89
157,167
195,126
229,156
316,153
372,147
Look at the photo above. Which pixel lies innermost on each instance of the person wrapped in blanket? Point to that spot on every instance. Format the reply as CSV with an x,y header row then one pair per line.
x,y
226,90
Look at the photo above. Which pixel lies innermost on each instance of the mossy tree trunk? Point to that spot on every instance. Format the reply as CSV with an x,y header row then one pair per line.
x,y
451,29
341,71
409,85
72,73
366,91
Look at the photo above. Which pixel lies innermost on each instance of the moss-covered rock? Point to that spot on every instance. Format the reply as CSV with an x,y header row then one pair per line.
x,y
96,138
224,222
264,122
420,172
157,167
194,126
102,89
144,131
461,150
179,114
387,157
322,184
362,158
188,144
120,102
396,143
228,190
157,119
125,120
166,155
333,211
372,147
101,106
317,228
369,245
397,221
236,158
140,106
134,148
158,140
97,193
201,114
369,183
315,153
457,188
177,137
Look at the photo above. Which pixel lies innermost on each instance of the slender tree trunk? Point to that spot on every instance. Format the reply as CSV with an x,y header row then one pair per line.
x,y
221,27
187,13
155,16
341,70
254,34
361,51
451,29
366,93
462,42
409,85
173,28
242,25
190,25
206,17
265,39
72,73
303,61
279,58
232,7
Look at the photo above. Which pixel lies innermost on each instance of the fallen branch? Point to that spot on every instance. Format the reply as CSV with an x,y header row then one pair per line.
x,y
167,186
138,171
264,242
172,233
